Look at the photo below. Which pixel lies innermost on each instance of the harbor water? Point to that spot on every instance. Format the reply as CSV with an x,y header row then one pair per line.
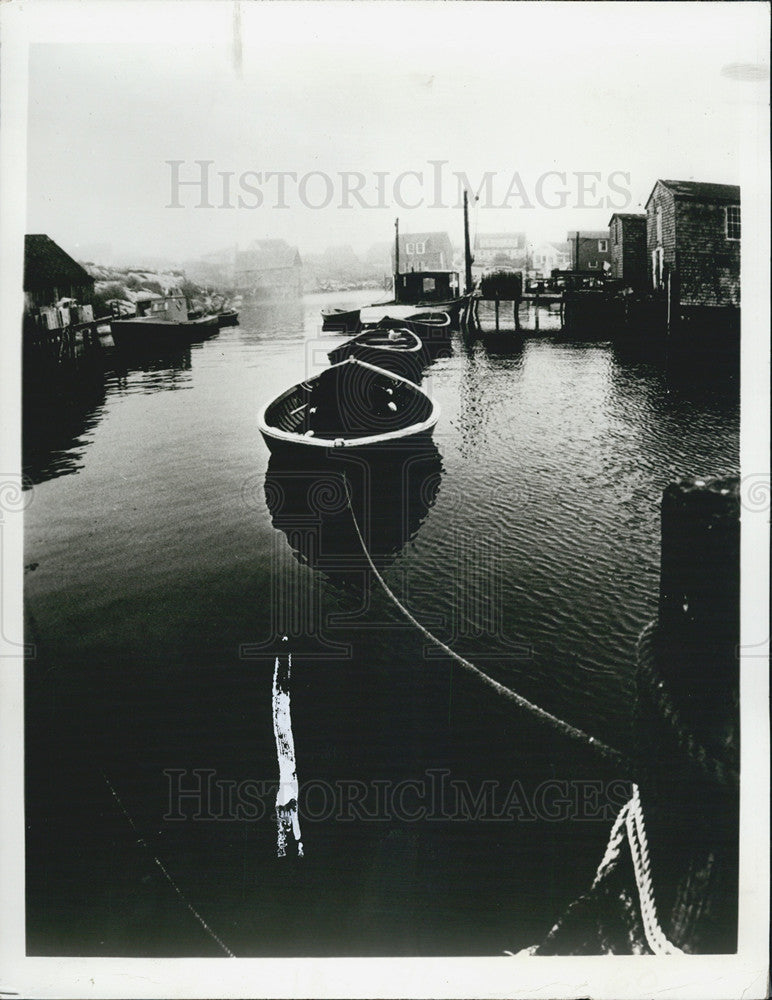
x,y
166,559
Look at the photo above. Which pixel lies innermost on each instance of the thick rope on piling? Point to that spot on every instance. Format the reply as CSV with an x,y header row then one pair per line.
x,y
630,821
719,771
559,725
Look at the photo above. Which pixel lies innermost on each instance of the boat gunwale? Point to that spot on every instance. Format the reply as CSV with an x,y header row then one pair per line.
x,y
391,348
289,437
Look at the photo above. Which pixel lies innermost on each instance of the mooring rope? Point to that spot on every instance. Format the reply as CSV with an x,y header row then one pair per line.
x,y
560,725
630,821
182,897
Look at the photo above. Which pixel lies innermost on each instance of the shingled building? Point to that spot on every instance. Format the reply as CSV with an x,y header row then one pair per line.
x,y
50,274
693,231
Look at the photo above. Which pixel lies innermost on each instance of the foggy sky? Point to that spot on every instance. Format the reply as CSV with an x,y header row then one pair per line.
x,y
619,89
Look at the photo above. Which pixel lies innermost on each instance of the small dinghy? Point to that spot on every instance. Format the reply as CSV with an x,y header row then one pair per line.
x,y
350,405
430,325
340,320
394,348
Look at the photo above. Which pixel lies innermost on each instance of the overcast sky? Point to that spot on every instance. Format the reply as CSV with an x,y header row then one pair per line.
x,y
629,92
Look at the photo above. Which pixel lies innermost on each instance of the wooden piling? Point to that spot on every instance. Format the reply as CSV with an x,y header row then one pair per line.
x,y
687,716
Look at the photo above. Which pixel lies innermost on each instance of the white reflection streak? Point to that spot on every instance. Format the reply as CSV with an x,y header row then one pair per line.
x,y
287,795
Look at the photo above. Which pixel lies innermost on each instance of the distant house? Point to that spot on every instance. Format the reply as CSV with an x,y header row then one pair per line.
x,y
589,250
50,274
693,231
544,258
627,234
424,252
507,251
269,270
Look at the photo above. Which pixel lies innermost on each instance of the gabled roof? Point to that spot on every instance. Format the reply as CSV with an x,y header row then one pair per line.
x,y
441,238
701,191
638,216
267,255
46,264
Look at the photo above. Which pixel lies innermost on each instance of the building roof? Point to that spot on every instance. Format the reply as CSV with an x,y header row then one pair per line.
x,y
518,239
634,216
424,238
701,191
268,255
46,264
587,234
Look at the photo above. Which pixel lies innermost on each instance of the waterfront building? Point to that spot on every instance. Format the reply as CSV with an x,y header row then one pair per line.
x,y
693,233
423,252
544,258
500,251
589,250
50,275
627,237
269,270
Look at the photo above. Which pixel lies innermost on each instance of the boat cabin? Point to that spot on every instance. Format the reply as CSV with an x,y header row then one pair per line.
x,y
427,286
173,309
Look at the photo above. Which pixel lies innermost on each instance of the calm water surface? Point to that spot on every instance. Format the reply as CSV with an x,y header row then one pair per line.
x,y
165,560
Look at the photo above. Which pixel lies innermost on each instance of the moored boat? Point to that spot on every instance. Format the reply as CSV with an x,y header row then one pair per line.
x,y
165,323
341,320
353,404
391,347
228,317
429,326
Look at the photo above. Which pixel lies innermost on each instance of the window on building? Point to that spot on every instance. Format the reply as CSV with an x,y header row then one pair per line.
x,y
616,235
659,224
593,265
602,246
733,222
429,285
410,248
420,248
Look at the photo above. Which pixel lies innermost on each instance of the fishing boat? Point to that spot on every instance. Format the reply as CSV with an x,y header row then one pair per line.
x,y
353,404
391,347
165,322
435,291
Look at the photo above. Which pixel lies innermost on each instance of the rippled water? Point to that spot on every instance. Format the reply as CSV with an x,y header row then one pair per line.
x,y
166,558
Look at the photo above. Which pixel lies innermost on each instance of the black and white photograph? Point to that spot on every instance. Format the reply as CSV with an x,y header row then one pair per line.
x,y
384,499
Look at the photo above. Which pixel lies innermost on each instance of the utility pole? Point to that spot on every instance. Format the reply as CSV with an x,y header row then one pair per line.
x,y
467,249
396,260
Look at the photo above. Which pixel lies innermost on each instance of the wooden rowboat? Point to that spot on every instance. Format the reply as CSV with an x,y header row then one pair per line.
x,y
340,320
429,326
350,405
394,348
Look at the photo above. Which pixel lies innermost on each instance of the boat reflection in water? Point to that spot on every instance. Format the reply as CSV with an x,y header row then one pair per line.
x,y
389,494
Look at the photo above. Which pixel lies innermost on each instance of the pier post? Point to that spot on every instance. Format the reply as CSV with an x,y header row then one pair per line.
x,y
536,312
496,306
687,716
